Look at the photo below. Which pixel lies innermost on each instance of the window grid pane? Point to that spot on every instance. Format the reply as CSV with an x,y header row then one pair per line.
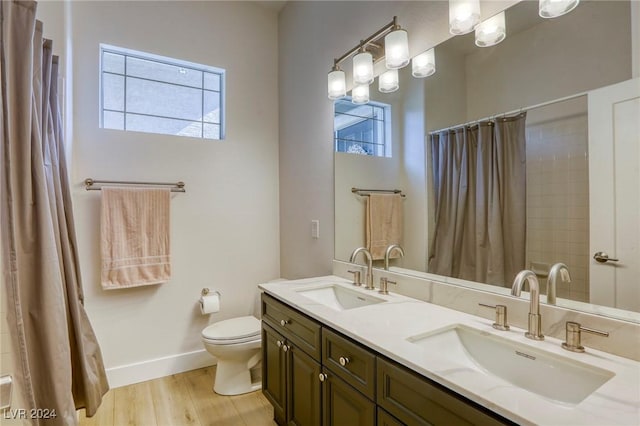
x,y
360,129
147,94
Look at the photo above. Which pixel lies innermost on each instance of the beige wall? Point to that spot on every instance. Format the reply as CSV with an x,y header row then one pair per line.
x,y
225,228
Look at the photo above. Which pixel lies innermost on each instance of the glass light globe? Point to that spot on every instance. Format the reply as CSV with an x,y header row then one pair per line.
x,y
360,94
424,64
336,84
555,8
464,15
363,68
396,49
491,31
388,81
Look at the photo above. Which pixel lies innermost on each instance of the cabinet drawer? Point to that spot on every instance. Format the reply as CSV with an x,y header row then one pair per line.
x,y
415,400
350,361
299,329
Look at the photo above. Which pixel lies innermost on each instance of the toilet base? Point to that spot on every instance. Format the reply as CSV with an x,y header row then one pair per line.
x,y
233,378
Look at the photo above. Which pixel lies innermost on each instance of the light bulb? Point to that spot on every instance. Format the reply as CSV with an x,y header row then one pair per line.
x,y
424,64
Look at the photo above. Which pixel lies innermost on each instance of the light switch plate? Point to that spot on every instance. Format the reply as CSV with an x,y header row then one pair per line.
x,y
315,229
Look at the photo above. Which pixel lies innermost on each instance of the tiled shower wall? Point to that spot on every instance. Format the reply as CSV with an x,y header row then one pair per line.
x,y
558,201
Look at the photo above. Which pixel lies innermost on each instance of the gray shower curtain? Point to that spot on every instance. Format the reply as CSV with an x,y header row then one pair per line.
x,y
479,191
58,360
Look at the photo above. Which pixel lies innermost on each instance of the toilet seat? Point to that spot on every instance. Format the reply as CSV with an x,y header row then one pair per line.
x,y
233,331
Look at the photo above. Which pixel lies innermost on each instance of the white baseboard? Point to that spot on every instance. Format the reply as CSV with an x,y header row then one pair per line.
x,y
129,374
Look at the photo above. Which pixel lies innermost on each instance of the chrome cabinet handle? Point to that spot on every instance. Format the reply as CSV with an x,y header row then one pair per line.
x,y
322,377
602,257
284,322
344,361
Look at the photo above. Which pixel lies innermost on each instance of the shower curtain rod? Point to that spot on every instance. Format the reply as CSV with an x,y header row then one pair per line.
x,y
89,184
515,111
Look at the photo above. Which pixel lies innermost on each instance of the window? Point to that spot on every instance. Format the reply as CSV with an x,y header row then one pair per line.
x,y
142,92
362,129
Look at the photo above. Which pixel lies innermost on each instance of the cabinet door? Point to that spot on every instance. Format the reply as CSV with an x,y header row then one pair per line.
x,y
304,389
274,370
386,419
345,406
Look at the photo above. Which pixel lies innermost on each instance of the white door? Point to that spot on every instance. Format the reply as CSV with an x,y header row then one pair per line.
x,y
614,194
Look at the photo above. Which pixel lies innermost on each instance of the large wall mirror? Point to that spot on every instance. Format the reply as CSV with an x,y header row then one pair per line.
x,y
554,71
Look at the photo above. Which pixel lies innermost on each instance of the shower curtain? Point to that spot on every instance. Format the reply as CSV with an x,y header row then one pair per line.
x,y
479,191
58,361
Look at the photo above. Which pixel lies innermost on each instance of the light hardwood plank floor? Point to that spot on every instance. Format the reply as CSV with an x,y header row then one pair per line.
x,y
185,399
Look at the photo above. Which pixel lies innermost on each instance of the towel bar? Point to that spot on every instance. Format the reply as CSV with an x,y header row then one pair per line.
x,y
89,184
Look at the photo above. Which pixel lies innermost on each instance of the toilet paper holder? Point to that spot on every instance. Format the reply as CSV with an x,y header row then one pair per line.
x,y
205,291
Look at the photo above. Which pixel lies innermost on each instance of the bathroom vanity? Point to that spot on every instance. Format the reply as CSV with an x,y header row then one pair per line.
x,y
333,351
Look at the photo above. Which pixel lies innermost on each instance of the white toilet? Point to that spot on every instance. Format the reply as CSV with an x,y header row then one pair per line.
x,y
236,344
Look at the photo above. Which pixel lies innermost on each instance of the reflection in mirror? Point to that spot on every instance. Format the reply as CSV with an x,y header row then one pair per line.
x,y
544,67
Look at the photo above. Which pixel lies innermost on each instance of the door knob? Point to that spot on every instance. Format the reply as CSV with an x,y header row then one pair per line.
x,y
322,377
279,343
284,322
344,361
602,257
285,348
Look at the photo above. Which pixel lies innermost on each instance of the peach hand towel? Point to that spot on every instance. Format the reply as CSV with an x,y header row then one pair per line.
x,y
134,237
383,224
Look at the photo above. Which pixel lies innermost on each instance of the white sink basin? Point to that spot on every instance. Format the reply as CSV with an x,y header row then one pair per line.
x,y
338,297
549,375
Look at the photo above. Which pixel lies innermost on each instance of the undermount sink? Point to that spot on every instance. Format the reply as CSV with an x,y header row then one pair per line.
x,y
338,297
546,374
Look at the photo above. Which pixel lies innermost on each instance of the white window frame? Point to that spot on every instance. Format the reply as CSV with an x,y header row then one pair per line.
x,y
167,61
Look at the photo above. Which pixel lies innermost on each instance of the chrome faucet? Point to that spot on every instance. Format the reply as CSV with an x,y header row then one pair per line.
x,y
387,254
535,320
557,269
369,277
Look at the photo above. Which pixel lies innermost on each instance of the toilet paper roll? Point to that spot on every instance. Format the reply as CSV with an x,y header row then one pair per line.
x,y
210,303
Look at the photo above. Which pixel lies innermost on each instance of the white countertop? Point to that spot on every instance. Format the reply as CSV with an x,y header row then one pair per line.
x,y
385,327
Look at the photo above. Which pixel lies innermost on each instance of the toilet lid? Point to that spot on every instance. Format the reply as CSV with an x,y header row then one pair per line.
x,y
233,329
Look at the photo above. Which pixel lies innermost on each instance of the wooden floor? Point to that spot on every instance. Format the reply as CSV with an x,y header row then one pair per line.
x,y
180,399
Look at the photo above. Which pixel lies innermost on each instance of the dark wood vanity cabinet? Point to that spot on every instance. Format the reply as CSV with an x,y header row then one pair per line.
x,y
315,376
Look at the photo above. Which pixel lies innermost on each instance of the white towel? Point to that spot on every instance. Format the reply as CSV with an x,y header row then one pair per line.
x,y
135,237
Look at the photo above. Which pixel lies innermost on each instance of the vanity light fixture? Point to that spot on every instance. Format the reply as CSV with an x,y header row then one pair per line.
x,y
388,81
360,94
389,42
337,83
491,31
555,8
424,64
464,15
